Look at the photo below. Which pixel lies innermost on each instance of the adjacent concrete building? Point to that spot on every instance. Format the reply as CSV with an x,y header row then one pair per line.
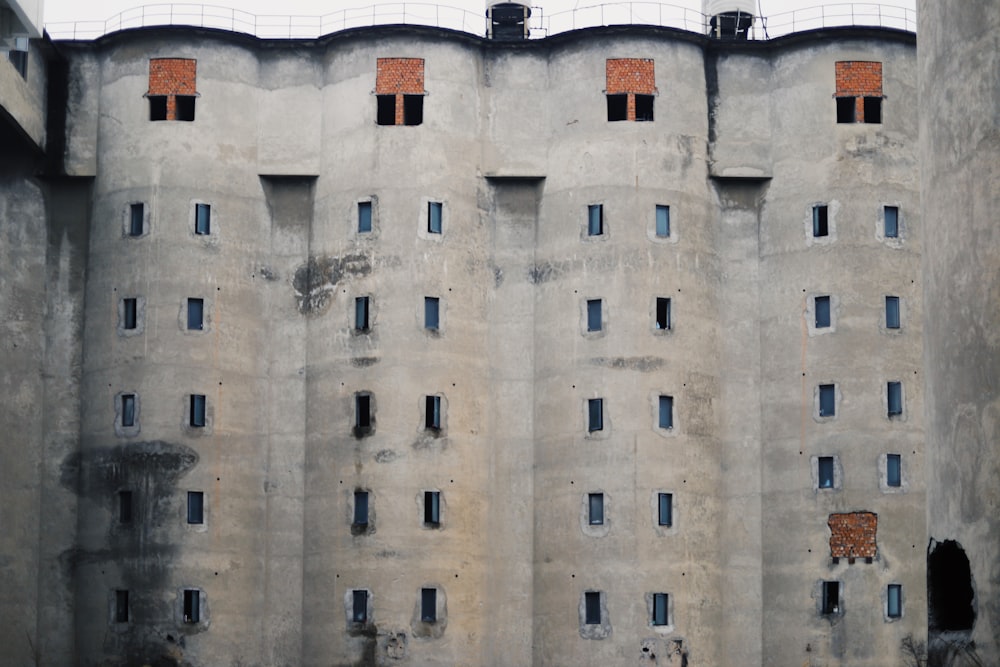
x,y
404,346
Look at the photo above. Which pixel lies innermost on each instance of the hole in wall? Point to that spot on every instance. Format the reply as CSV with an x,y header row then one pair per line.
x,y
950,590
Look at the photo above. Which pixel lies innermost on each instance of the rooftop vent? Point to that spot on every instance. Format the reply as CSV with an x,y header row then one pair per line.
x,y
729,19
507,21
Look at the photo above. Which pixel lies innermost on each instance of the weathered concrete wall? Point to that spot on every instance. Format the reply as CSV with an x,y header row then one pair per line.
x,y
24,98
959,60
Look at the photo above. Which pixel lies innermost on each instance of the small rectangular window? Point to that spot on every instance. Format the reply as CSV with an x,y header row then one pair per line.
x,y
593,314
196,314
431,313
595,509
595,414
845,109
892,312
434,209
894,601
125,507
428,605
432,508
661,606
827,400
361,304
359,612
128,409
662,221
666,410
121,606
831,597
432,412
362,411
364,216
386,110
192,606
185,107
822,312
644,107
663,313
202,219
820,221
195,507
197,410
413,109
891,215
595,220
825,465
360,508
665,509
617,107
592,605
129,313
137,214
157,107
873,109
894,391
19,59
893,470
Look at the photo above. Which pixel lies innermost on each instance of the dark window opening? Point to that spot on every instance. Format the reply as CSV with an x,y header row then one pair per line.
x,y
595,414
617,107
894,391
121,606
595,509
197,410
125,507
432,508
185,107
19,59
192,606
137,213
129,313
157,107
593,314
892,312
666,409
665,509
413,109
386,110
820,221
595,220
128,409
362,414
949,588
831,597
434,209
361,305
428,605
825,470
644,107
845,109
592,607
196,507
431,313
822,312
663,313
893,470
891,215
662,221
196,314
873,109
364,216
359,611
432,413
894,601
360,508
661,605
202,219
827,400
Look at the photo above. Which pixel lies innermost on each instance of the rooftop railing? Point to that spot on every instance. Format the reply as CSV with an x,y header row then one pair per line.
x,y
455,18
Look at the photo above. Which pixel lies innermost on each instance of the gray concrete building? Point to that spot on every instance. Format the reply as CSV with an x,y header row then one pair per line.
x,y
400,345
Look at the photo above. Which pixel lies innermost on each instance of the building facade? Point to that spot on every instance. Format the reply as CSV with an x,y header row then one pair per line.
x,y
405,346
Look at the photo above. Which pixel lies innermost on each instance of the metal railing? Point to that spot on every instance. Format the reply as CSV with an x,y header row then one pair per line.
x,y
456,18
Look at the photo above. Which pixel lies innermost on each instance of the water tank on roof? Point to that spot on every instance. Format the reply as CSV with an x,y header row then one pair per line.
x,y
729,19
507,21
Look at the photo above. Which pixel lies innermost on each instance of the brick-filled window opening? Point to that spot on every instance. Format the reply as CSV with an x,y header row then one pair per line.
x,y
363,421
432,508
360,508
192,605
432,313
665,509
202,219
128,409
434,211
362,307
821,221
595,509
893,470
121,606
630,88
136,219
822,312
399,91
661,609
892,312
432,413
130,310
894,601
830,604
853,535
359,606
172,89
125,506
592,607
663,314
858,91
665,411
890,215
364,216
428,605
197,411
595,414
593,314
662,221
195,507
195,314
595,220
894,396
827,400
826,472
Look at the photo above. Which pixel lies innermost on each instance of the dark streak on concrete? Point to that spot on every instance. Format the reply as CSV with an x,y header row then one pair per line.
x,y
385,456
364,362
314,281
642,364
